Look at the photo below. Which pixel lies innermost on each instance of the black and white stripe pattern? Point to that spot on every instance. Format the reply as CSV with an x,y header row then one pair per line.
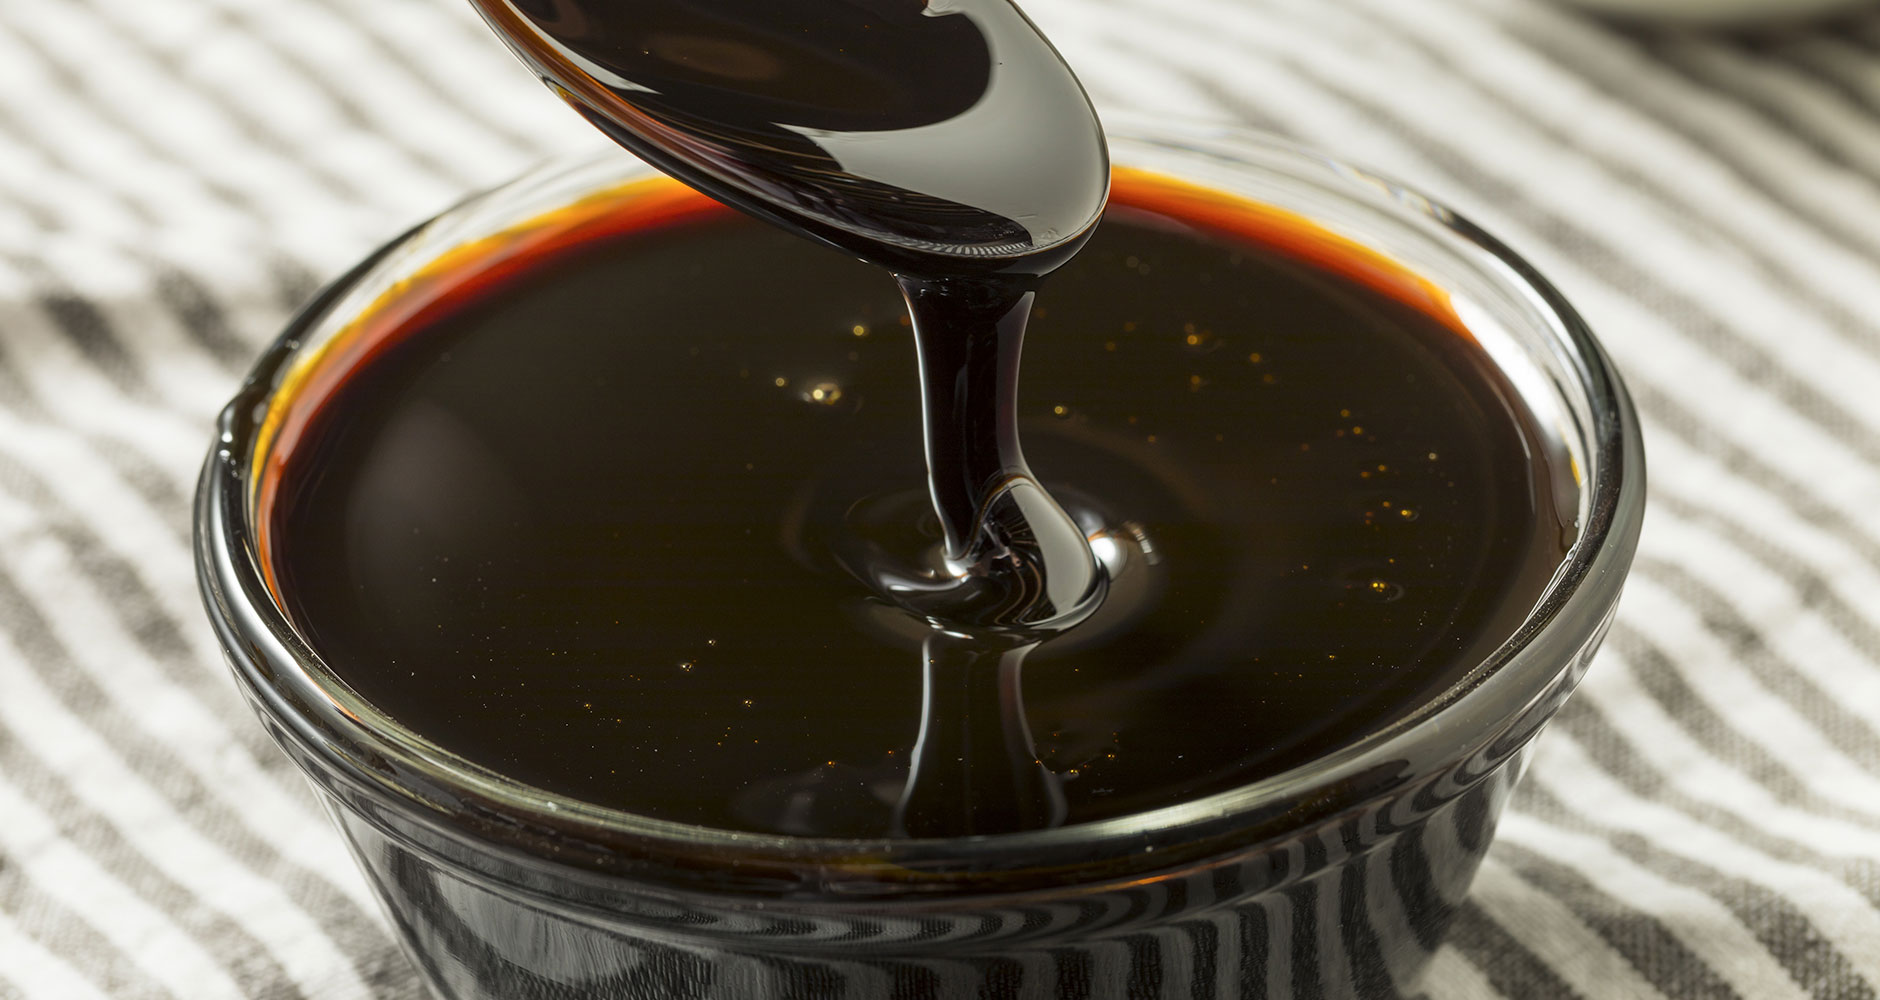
x,y
1352,905
1703,820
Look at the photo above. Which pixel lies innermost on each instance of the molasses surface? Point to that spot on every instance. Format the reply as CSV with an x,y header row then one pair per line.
x,y
586,513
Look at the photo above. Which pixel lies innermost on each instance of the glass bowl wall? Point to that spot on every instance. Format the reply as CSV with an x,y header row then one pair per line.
x,y
1336,878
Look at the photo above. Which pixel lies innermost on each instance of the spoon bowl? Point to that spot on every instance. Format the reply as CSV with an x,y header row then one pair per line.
x,y
939,138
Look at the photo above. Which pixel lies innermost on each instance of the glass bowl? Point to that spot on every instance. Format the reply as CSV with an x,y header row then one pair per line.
x,y
1336,878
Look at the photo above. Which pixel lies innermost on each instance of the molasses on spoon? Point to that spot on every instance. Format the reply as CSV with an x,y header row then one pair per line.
x,y
931,138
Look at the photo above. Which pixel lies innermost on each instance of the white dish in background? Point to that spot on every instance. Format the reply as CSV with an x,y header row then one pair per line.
x,y
1716,11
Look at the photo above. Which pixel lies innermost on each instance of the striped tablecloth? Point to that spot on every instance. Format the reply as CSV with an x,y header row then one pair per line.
x,y
1702,821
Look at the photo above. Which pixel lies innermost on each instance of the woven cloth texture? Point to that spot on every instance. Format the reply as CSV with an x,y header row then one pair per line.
x,y
1703,820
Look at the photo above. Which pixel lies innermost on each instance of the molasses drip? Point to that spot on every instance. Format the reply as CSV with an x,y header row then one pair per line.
x,y
945,141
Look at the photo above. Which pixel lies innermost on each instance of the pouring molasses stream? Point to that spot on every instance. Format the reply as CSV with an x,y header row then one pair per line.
x,y
949,143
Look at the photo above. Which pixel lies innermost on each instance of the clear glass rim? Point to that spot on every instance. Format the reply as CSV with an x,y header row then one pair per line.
x,y
304,700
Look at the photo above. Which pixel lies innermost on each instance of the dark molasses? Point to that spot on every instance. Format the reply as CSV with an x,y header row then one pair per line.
x,y
583,504
944,140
